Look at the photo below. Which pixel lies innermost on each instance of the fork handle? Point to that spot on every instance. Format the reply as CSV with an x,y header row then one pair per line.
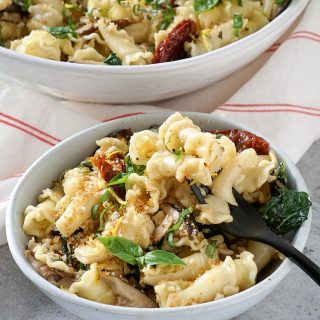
x,y
294,255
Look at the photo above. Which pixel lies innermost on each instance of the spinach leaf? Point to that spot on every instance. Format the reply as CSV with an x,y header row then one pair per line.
x,y
122,248
63,32
286,211
24,4
160,257
237,24
113,60
211,248
204,5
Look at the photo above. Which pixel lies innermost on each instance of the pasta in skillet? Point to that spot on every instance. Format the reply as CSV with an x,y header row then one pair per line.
x,y
128,32
124,227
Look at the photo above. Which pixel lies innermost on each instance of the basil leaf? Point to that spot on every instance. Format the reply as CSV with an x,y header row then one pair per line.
x,y
161,257
24,4
204,5
113,60
237,24
211,248
287,211
122,248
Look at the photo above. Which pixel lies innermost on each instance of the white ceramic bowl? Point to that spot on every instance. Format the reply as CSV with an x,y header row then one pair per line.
x,y
68,154
135,84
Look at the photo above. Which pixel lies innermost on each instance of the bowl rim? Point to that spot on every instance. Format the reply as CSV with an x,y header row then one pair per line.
x,y
285,18
282,270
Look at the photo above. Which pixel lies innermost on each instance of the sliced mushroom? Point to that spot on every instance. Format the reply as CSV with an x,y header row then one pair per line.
x,y
54,276
172,215
128,296
86,29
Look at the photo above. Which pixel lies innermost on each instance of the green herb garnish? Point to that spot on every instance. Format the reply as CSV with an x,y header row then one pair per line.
x,y
280,2
86,164
113,60
133,254
169,234
211,248
82,266
204,5
94,212
281,180
101,219
239,2
286,211
102,11
63,32
1,38
23,4
105,196
237,24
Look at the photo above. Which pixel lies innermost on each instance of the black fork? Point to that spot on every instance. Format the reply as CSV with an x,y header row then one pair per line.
x,y
248,224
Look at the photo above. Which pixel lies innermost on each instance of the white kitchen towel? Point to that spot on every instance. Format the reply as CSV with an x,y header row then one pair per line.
x,y
280,98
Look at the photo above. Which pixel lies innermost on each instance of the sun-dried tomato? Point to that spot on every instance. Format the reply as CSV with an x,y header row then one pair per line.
x,y
173,47
121,23
245,140
110,165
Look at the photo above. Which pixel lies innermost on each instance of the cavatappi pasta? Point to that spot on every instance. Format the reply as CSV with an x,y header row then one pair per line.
x,y
128,32
124,227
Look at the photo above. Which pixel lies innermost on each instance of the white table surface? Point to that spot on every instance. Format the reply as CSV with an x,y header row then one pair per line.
x,y
297,297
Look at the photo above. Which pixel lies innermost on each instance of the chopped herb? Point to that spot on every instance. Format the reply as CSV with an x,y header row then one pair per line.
x,y
239,2
94,212
133,168
1,37
63,32
103,11
184,213
24,4
204,5
237,24
179,153
82,266
66,249
101,220
105,196
120,178
281,180
86,164
168,15
211,248
133,254
286,211
170,240
113,60
280,2
218,136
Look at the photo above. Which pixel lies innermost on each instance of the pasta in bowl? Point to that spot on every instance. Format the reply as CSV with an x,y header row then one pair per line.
x,y
123,228
99,72
128,32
